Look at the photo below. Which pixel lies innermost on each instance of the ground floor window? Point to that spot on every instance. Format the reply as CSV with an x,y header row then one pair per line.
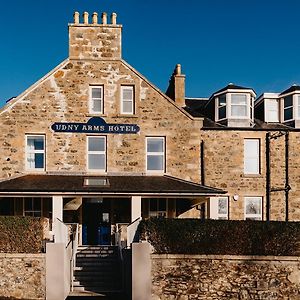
x,y
218,208
253,208
158,208
33,207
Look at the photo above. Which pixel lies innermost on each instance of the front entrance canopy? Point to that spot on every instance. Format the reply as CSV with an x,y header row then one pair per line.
x,y
157,186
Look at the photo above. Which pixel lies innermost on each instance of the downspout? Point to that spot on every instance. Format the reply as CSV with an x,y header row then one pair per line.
x,y
202,163
287,186
268,177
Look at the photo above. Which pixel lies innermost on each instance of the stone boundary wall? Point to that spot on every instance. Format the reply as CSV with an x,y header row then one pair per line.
x,y
186,277
22,276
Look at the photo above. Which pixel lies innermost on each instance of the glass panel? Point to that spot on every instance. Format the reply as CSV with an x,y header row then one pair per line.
x,y
153,204
39,160
222,112
28,204
238,111
127,93
96,162
222,100
97,92
162,204
155,162
35,143
223,206
238,99
251,148
251,166
96,144
288,114
37,204
127,107
30,160
97,105
253,206
155,145
288,101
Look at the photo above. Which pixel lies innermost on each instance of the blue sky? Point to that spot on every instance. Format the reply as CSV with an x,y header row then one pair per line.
x,y
250,43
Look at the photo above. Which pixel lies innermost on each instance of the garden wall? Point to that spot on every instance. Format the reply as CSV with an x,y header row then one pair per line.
x,y
22,276
224,277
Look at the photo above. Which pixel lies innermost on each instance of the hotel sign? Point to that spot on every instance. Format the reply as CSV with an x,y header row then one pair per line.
x,y
96,125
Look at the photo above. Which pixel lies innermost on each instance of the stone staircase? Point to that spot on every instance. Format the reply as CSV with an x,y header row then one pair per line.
x,y
98,272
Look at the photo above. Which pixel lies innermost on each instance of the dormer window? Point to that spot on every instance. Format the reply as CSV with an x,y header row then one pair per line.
x,y
239,105
288,108
222,107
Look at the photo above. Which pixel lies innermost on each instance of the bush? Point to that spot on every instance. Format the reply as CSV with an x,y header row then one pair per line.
x,y
20,234
195,236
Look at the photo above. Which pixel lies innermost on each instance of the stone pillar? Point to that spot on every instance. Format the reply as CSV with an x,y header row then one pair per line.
x,y
57,208
136,207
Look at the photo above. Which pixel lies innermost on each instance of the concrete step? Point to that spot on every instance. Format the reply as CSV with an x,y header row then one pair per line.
x,y
96,255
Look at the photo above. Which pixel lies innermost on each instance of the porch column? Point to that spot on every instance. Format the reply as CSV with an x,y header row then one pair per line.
x,y
136,207
57,208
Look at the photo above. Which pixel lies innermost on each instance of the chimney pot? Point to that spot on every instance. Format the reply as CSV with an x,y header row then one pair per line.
x,y
95,18
104,18
76,17
114,18
178,69
86,18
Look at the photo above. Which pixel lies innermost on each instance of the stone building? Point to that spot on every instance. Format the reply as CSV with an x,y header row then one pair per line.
x,y
95,142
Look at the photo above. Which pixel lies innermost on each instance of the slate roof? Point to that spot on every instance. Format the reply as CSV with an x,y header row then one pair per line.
x,y
232,86
117,185
293,88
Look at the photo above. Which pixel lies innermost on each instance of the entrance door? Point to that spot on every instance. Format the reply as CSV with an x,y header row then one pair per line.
x,y
96,229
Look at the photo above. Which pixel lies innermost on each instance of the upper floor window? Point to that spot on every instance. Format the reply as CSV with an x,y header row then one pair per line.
x,y
35,152
96,100
271,110
155,154
96,153
222,107
298,105
253,208
239,105
127,100
288,108
251,156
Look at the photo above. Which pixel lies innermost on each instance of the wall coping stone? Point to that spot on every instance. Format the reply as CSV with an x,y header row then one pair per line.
x,y
227,257
22,255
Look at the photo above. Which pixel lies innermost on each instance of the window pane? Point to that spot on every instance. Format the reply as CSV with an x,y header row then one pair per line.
x,y
37,204
251,166
288,113
127,93
127,107
155,162
223,206
39,160
222,112
222,100
153,204
97,92
96,144
28,204
162,204
96,161
251,148
288,101
238,99
97,105
30,160
238,111
35,143
155,145
253,206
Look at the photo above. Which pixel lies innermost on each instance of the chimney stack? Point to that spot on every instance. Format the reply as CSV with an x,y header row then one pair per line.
x,y
176,88
95,18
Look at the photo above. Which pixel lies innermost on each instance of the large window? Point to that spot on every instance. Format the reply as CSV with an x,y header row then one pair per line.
x,y
127,100
272,110
298,104
238,105
218,208
155,154
253,208
288,108
222,107
158,208
251,156
96,100
35,152
96,153
33,207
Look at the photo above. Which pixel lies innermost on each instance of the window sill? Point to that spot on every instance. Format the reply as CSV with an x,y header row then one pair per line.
x,y
125,116
252,176
96,115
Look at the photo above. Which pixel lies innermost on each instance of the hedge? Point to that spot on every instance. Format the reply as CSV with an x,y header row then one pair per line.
x,y
20,234
195,236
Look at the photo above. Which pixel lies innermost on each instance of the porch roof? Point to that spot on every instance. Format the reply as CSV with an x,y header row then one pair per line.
x,y
112,185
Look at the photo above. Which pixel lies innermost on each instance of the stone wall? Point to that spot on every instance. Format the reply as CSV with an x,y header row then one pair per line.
x,y
22,276
186,277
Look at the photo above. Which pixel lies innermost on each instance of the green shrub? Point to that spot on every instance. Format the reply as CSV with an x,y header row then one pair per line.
x,y
195,236
20,234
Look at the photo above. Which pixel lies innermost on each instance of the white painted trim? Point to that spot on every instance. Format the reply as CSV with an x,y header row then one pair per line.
x,y
136,207
96,152
131,87
91,100
247,156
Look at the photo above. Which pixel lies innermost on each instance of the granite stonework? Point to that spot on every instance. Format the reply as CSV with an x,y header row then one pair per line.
x,y
210,277
23,276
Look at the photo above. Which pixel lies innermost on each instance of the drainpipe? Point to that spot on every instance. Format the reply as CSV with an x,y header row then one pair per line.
x,y
202,162
268,176
287,186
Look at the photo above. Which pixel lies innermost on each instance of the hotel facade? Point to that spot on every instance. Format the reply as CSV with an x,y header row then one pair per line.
x,y
94,142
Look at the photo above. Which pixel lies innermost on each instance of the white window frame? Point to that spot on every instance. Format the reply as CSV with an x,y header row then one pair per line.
x,y
132,101
268,103
298,106
220,106
288,107
33,151
104,152
248,157
91,99
214,208
259,216
156,153
247,105
158,213
31,212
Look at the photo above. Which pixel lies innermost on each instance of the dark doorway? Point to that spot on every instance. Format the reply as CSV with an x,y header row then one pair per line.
x,y
96,227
